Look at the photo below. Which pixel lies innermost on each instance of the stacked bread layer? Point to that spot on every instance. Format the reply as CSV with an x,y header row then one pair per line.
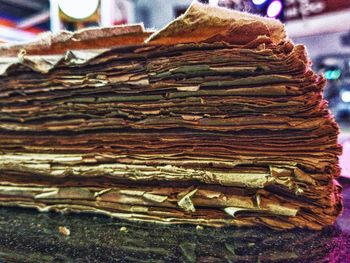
x,y
215,132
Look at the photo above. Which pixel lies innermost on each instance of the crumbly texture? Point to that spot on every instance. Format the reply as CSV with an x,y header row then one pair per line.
x,y
89,38
229,129
99,239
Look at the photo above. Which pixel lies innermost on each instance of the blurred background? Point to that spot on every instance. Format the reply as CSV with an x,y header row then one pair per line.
x,y
322,25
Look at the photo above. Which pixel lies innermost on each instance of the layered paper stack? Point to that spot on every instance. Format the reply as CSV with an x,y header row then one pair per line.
x,y
216,119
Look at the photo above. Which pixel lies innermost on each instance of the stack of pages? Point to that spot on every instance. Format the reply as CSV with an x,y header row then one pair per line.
x,y
217,119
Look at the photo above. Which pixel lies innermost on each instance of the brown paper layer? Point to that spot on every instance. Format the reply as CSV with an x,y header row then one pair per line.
x,y
216,119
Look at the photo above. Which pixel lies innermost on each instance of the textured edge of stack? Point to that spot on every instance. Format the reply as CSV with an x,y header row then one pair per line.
x,y
216,20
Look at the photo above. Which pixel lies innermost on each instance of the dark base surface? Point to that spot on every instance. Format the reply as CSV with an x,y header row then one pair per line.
x,y
29,236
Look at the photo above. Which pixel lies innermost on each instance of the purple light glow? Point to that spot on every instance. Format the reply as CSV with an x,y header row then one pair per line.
x,y
274,9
